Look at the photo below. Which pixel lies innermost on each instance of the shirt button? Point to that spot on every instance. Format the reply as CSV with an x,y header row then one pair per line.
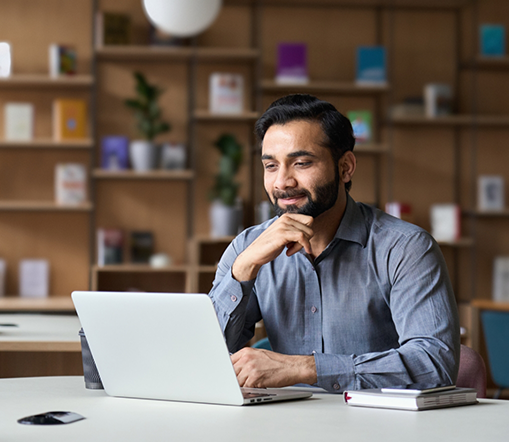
x,y
313,309
313,352
336,386
233,298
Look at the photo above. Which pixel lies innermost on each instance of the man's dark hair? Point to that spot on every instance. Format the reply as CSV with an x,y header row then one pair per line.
x,y
337,129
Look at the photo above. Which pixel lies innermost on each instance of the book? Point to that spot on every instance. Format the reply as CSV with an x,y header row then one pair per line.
x,y
437,100
399,210
62,60
292,65
5,59
362,125
69,119
70,184
110,246
19,121
115,152
490,193
112,28
492,40
371,67
34,278
3,276
410,401
173,156
141,246
226,93
500,291
445,222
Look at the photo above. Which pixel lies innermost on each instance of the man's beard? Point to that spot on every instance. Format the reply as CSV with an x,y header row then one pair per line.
x,y
326,197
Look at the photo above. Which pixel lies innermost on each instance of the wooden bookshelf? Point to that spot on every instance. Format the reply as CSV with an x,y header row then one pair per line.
x,y
42,206
501,121
42,143
206,116
150,175
460,243
52,304
45,81
371,148
323,87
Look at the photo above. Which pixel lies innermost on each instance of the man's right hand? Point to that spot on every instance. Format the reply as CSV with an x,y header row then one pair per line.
x,y
291,230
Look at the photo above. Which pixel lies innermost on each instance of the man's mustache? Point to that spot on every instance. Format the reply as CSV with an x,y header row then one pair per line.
x,y
289,193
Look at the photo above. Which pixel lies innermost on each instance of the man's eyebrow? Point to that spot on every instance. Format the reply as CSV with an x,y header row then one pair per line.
x,y
301,153
267,157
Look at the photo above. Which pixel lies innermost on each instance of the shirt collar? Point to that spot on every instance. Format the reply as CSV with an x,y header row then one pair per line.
x,y
353,224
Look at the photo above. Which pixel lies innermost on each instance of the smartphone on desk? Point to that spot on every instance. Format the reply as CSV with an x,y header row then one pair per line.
x,y
417,389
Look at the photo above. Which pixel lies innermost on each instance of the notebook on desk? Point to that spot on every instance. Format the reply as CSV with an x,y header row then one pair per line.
x,y
166,346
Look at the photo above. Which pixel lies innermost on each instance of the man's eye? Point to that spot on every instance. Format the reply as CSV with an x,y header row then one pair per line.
x,y
303,163
270,166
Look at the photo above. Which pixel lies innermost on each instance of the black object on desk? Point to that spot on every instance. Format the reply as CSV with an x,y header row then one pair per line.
x,y
51,418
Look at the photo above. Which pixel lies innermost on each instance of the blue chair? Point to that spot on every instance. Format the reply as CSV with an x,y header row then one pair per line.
x,y
496,335
262,343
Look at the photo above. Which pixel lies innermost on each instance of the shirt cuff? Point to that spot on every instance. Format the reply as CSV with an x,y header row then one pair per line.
x,y
232,292
335,373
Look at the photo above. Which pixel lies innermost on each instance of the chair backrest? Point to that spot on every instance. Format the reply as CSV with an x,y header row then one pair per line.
x,y
472,371
262,343
496,335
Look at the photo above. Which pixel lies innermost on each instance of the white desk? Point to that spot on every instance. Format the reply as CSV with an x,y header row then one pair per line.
x,y
321,418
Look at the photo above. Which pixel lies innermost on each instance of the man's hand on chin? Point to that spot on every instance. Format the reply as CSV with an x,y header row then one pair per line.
x,y
266,369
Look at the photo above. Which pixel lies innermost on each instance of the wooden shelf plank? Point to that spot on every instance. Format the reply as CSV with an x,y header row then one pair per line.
x,y
41,206
151,175
50,304
44,80
207,239
47,144
226,54
490,213
205,115
333,87
462,242
400,4
487,63
453,120
489,304
139,268
207,269
371,148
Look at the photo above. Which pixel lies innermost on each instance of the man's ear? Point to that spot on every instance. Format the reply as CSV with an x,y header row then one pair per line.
x,y
347,165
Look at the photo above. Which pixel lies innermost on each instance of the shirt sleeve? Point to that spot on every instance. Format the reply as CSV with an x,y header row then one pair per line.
x,y
424,312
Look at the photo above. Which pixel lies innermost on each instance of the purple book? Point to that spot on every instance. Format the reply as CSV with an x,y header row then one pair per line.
x,y
292,63
115,152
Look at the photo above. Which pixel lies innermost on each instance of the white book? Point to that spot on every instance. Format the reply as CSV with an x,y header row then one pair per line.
x,y
34,278
445,222
5,59
501,279
226,93
19,121
491,193
70,184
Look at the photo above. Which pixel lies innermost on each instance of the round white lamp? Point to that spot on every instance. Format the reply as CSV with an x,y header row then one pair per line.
x,y
182,18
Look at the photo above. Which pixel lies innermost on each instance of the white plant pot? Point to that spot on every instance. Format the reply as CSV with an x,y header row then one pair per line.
x,y
143,155
224,220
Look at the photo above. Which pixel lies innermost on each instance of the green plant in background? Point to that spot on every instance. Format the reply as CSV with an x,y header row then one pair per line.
x,y
225,188
146,108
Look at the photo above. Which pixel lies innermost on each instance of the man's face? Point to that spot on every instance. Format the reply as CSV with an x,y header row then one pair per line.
x,y
299,174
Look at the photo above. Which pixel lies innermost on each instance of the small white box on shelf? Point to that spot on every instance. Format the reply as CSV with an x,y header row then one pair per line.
x,y
445,222
34,278
226,93
490,193
437,100
3,275
19,121
5,59
501,279
70,184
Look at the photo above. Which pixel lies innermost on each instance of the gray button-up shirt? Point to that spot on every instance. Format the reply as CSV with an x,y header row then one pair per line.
x,y
376,308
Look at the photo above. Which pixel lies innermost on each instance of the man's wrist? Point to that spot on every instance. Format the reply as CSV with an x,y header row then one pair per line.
x,y
244,271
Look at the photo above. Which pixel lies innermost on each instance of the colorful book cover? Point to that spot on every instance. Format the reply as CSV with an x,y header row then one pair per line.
x,y
110,246
69,119
142,247
371,66
362,125
19,121
115,152
492,40
62,60
292,65
70,184
226,93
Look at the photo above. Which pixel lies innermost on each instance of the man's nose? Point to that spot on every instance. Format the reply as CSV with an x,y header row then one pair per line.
x,y
284,179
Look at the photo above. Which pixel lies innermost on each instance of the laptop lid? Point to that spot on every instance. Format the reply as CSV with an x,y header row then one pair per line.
x,y
160,346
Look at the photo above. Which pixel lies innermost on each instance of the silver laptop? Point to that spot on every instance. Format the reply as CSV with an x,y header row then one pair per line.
x,y
165,346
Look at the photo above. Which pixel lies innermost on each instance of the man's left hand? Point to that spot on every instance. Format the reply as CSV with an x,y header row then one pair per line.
x,y
259,368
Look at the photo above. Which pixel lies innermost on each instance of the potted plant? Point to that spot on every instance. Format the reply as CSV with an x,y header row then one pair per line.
x,y
224,214
143,153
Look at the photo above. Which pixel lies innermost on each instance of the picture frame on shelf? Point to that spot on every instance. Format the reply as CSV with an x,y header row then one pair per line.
x,y
491,193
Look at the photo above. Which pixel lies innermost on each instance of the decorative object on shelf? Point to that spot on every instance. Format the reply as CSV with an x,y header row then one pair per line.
x,y
70,184
292,67
173,156
226,93
115,152
62,60
5,59
490,193
141,246
371,66
410,107
112,28
3,276
34,278
160,261
400,210
110,246
446,222
182,18
437,100
501,279
492,40
224,215
19,121
69,119
143,153
362,125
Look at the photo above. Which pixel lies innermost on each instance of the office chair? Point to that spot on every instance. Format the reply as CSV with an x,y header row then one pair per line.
x,y
472,371
496,335
262,343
